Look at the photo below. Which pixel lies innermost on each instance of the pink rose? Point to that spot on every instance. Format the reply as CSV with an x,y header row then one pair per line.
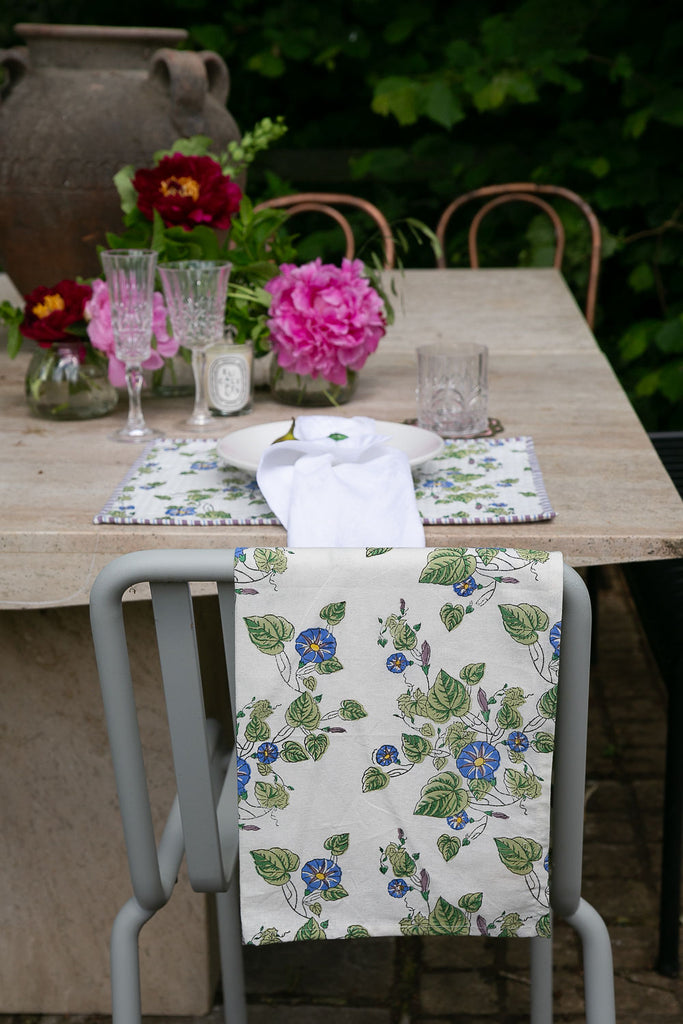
x,y
98,314
324,320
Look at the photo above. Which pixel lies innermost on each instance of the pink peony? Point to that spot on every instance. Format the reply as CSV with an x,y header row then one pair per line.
x,y
98,314
324,320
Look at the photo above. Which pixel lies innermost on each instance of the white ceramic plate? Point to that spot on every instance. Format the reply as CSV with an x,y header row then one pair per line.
x,y
243,448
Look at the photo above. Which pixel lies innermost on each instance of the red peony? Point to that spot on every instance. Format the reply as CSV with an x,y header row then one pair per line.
x,y
187,191
49,312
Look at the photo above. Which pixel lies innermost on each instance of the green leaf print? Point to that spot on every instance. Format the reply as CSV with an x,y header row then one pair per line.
x,y
446,566
452,615
372,552
445,919
547,704
514,696
337,845
326,668
473,674
543,927
269,795
458,736
405,638
447,698
533,556
448,846
303,711
275,865
270,559
293,751
415,748
269,937
412,704
338,892
373,779
357,931
510,925
508,717
487,555
317,745
479,788
417,924
523,621
333,613
471,902
316,908
518,855
402,864
269,632
256,730
310,930
441,796
522,784
351,710
543,742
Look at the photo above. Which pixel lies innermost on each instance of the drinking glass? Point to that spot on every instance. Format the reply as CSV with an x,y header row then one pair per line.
x,y
196,292
130,278
452,391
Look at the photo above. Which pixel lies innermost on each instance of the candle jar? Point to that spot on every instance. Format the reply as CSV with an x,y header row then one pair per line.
x,y
229,378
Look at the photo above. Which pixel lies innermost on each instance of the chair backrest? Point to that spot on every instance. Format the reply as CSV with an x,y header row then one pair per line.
x,y
207,807
326,203
528,192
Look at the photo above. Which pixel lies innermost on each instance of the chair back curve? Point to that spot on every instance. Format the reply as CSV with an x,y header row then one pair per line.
x,y
326,203
493,196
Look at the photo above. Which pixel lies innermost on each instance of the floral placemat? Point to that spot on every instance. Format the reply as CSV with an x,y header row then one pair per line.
x,y
395,734
186,483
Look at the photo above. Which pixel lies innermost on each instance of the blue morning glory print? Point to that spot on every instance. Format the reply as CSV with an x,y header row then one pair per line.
x,y
465,587
243,776
267,752
386,755
203,464
555,635
518,741
397,887
397,662
478,760
321,874
458,821
315,645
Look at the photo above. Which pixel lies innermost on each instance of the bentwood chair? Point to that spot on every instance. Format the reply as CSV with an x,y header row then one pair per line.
x,y
493,196
202,824
326,203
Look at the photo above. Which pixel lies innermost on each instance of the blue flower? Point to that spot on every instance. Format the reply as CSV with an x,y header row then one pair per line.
x,y
243,776
267,752
203,464
465,587
179,510
518,741
396,662
321,874
478,760
546,862
457,821
386,754
555,635
315,645
397,887
240,555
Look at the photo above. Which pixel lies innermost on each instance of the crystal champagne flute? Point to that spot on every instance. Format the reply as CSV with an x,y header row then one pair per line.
x,y
130,278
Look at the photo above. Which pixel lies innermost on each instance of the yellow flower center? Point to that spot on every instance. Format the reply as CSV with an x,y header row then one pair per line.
x,y
180,187
50,304
479,761
320,875
315,646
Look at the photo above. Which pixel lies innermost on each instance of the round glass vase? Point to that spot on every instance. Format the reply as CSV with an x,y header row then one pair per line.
x,y
298,389
175,378
69,381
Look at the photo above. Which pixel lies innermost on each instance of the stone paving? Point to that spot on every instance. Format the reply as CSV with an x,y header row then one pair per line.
x,y
473,981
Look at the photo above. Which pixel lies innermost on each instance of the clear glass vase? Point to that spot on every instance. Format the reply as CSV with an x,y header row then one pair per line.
x,y
296,389
69,382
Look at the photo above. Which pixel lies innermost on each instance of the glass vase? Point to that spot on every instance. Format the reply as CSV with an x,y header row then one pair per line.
x,y
69,382
298,389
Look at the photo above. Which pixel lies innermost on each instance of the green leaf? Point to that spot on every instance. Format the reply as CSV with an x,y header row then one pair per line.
x,y
446,698
415,748
473,674
544,927
471,902
317,745
374,778
269,795
445,919
316,908
522,784
337,845
270,559
123,181
510,925
269,937
441,104
256,730
310,930
522,621
518,855
293,752
446,566
532,555
337,892
641,278
398,96
547,704
357,931
262,709
543,742
452,615
373,552
275,865
514,696
269,632
487,555
458,736
479,788
330,665
508,717
402,864
352,710
441,796
303,712
448,846
404,637
416,924
333,613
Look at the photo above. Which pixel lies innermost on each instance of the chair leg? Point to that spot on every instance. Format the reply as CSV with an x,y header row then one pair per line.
x,y
598,968
541,981
230,941
672,840
125,963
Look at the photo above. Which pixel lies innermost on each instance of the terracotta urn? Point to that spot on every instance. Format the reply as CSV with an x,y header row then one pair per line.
x,y
78,103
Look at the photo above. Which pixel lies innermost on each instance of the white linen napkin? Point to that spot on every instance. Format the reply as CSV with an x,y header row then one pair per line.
x,y
339,484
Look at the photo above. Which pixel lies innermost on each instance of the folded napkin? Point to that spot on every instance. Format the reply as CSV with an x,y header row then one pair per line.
x,y
395,733
339,484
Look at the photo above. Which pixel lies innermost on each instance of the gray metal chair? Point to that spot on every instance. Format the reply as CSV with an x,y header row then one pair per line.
x,y
202,824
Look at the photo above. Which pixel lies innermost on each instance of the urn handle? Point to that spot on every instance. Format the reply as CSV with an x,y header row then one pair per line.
x,y
189,77
16,61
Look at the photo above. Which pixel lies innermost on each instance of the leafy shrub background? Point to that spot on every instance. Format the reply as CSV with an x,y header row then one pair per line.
x,y
410,104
